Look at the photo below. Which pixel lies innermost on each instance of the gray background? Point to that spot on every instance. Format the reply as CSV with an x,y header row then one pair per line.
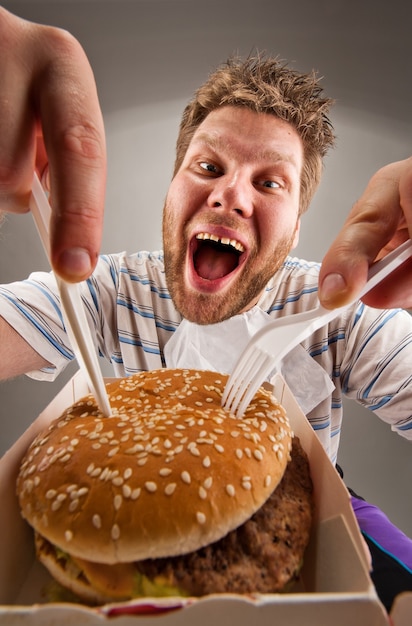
x,y
148,56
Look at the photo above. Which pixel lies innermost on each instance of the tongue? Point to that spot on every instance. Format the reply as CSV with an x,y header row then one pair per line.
x,y
212,264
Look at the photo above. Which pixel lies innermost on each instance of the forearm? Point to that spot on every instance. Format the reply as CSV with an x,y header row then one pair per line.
x,y
16,355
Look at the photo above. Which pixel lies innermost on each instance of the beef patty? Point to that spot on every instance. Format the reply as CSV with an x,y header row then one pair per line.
x,y
262,556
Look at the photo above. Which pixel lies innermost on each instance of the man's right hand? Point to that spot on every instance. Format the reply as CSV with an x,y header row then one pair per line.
x,y
50,120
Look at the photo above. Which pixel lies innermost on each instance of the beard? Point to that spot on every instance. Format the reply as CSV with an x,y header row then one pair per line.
x,y
243,292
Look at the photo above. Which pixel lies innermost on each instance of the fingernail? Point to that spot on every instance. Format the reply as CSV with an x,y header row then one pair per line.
x,y
332,286
75,263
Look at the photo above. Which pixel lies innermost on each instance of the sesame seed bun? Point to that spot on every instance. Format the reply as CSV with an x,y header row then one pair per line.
x,y
170,472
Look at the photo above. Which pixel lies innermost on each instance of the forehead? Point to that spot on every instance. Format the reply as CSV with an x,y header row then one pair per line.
x,y
238,131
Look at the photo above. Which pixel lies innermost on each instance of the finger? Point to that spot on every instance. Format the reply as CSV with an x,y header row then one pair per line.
x,y
373,223
71,120
17,119
394,291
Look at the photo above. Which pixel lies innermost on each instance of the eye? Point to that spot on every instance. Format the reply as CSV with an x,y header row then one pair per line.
x,y
209,167
270,184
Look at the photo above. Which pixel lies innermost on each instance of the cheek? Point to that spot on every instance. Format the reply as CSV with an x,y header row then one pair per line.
x,y
276,224
179,202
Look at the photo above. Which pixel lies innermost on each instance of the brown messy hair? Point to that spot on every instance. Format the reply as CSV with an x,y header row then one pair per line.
x,y
267,85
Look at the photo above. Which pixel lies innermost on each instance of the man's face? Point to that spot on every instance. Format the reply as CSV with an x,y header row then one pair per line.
x,y
231,213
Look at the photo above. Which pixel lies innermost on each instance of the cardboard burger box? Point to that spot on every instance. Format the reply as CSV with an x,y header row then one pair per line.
x,y
335,586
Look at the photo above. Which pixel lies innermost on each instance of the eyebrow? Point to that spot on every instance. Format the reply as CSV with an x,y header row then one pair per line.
x,y
217,143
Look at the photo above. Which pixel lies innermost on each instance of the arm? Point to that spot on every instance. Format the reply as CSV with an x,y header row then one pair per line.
x,y
17,356
379,221
50,120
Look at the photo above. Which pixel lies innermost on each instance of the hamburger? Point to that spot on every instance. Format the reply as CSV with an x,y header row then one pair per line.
x,y
171,495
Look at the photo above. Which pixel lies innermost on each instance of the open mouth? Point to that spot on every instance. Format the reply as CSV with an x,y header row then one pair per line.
x,y
215,257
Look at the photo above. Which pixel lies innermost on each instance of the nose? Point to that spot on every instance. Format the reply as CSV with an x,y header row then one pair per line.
x,y
232,193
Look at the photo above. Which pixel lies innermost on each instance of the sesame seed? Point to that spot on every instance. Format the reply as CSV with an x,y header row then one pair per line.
x,y
201,517
73,505
127,473
268,480
207,483
97,521
117,501
104,475
150,486
68,535
185,476
170,488
202,493
239,453
230,490
50,494
258,455
115,533
165,471
127,491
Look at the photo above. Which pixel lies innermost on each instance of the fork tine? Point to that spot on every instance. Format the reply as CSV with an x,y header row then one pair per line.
x,y
252,385
246,379
238,377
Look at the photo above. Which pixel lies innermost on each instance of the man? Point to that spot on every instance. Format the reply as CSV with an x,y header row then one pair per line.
x,y
249,159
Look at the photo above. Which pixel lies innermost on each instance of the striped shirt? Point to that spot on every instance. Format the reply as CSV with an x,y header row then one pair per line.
x,y
366,353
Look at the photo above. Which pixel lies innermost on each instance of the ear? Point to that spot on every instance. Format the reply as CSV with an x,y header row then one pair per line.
x,y
296,237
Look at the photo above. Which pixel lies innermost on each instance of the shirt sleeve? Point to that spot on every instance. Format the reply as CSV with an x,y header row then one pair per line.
x,y
32,308
377,367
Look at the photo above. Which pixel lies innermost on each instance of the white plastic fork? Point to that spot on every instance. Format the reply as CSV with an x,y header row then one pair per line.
x,y
271,343
72,307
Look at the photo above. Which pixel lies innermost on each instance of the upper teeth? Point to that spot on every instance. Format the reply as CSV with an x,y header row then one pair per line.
x,y
224,240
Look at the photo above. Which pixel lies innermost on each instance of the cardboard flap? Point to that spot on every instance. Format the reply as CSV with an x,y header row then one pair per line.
x,y
16,537
401,614
325,477
347,576
313,610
